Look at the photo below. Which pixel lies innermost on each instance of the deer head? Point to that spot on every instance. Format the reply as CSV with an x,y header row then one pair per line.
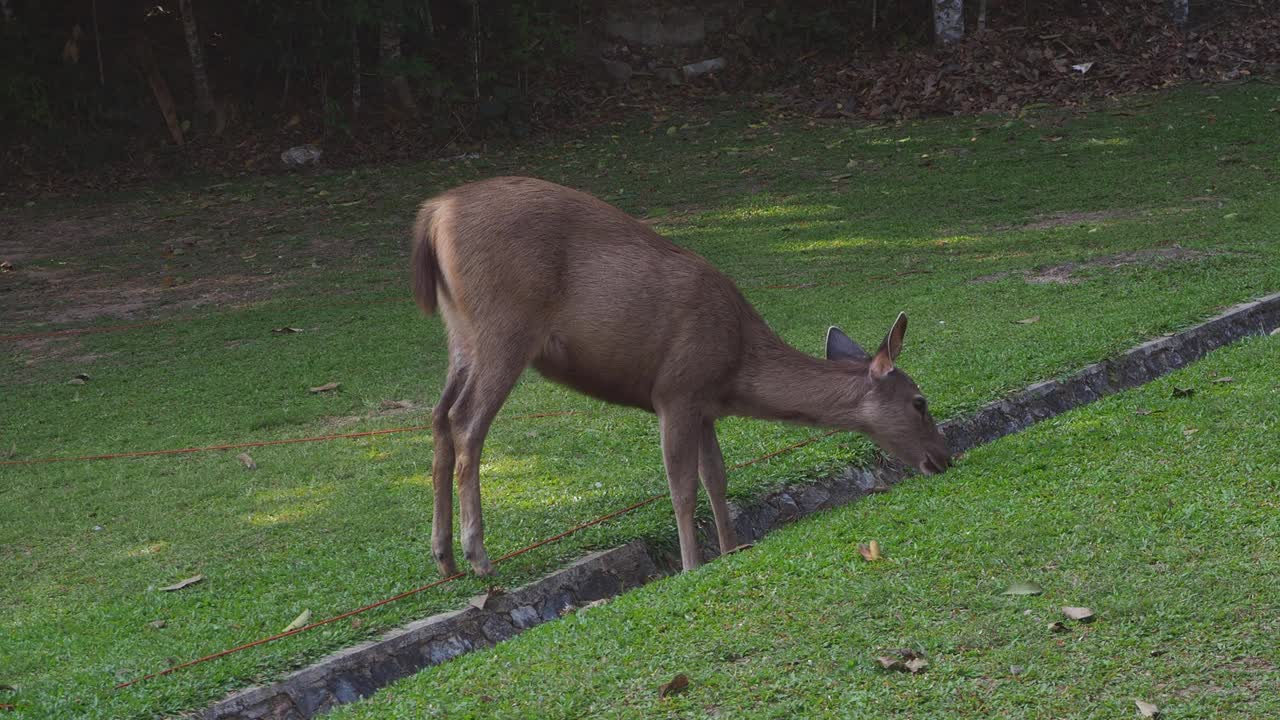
x,y
891,409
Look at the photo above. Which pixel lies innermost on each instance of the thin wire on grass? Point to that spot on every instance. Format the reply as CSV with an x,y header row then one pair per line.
x,y
456,576
255,443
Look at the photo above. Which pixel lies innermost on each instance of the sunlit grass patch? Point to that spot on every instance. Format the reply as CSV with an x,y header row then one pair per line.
x,y
335,525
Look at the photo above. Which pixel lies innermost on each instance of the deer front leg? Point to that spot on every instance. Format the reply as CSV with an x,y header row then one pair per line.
x,y
714,481
680,429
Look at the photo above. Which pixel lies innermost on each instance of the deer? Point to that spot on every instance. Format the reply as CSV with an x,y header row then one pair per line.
x,y
525,272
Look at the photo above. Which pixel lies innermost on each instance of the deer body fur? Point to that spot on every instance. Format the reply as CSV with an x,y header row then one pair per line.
x,y
525,272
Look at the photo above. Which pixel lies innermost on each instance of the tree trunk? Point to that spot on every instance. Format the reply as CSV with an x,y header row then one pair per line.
x,y
948,21
982,15
159,88
395,84
475,45
6,7
356,89
1179,11
97,45
200,77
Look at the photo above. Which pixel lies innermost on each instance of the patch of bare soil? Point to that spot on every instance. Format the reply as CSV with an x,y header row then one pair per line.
x,y
126,262
1070,219
1065,273
386,409
63,296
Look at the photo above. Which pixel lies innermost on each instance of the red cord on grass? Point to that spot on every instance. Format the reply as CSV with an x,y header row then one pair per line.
x,y
258,443
456,576
77,331
152,323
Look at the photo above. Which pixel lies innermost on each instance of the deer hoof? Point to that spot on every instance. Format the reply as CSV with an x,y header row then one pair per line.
x,y
447,565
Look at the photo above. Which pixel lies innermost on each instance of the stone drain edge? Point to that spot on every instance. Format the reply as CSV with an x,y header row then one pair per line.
x,y
358,671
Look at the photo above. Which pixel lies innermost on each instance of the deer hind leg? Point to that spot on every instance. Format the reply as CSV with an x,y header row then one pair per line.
x,y
714,481
488,384
442,467
680,441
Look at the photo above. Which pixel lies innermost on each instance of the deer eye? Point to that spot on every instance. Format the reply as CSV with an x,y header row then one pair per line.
x,y
920,403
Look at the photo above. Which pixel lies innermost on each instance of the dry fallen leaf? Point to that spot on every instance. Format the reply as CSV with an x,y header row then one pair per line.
x,y
903,660
76,381
1028,321
1224,379
1188,432
679,683
247,461
156,624
1083,614
1057,627
285,330
482,601
1183,392
1146,709
183,583
1275,332
325,388
1142,411
870,551
397,404
303,618
593,604
1023,588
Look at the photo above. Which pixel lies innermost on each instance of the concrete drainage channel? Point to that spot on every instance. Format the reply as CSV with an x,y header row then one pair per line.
x,y
358,671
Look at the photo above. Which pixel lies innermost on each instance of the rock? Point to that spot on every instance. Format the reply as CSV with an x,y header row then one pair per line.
x,y
617,71
702,68
668,74
301,155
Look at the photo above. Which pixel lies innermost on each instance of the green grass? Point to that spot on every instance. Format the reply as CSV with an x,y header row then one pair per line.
x,y
1166,525
327,527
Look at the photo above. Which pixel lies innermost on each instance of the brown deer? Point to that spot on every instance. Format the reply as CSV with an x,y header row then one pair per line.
x,y
526,272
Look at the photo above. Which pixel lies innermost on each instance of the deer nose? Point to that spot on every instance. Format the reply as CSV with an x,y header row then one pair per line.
x,y
934,465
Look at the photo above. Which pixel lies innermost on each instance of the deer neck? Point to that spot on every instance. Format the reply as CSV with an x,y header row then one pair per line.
x,y
778,382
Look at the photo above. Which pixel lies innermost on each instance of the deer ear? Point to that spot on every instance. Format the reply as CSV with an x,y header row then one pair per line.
x,y
882,363
841,347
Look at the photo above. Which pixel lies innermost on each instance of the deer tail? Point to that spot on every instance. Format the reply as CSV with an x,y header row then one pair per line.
x,y
425,269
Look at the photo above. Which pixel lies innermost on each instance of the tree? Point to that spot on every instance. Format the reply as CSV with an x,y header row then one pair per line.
x,y
948,21
356,88
1179,11
394,82
205,110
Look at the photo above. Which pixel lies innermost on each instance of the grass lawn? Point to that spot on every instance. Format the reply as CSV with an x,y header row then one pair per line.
x,y
1109,227
1166,526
